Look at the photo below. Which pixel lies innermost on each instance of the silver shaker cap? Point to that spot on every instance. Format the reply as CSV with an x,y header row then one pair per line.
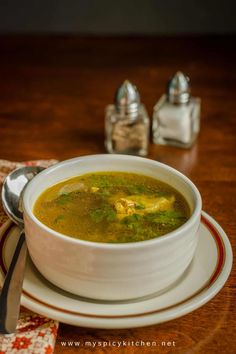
x,y
178,89
127,99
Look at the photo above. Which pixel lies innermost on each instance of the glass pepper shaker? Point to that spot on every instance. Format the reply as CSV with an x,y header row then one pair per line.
x,y
176,117
127,123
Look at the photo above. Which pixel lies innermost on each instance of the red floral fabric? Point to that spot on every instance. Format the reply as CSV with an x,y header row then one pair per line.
x,y
35,334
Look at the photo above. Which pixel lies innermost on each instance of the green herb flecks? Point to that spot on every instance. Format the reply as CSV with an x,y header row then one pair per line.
x,y
63,198
151,225
59,218
166,218
103,213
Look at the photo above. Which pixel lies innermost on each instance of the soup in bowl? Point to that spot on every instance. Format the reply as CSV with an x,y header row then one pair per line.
x,y
111,227
114,207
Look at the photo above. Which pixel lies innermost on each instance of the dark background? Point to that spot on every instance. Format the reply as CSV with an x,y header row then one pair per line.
x,y
107,17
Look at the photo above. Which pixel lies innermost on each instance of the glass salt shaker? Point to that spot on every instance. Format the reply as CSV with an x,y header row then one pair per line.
x,y
176,117
127,123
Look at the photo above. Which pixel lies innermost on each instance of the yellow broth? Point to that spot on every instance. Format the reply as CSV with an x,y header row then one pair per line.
x,y
114,207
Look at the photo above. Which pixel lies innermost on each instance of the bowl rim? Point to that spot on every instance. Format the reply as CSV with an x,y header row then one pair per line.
x,y
27,210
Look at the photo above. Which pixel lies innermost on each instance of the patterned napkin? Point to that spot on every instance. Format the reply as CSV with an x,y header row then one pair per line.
x,y
35,334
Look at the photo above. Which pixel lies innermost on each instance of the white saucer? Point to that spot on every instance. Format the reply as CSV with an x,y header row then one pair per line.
x,y
201,282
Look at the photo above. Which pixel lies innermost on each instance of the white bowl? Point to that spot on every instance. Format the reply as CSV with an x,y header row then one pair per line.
x,y
111,271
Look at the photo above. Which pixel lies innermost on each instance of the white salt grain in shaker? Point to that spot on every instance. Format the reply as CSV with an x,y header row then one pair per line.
x,y
176,117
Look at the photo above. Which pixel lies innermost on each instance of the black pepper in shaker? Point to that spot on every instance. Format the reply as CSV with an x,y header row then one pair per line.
x,y
127,123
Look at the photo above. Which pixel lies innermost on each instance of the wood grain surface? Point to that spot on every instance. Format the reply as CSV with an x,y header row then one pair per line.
x,y
53,91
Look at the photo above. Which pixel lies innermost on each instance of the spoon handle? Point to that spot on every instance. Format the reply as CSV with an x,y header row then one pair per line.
x,y
12,287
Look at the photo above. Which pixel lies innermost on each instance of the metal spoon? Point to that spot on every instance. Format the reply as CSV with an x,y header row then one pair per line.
x,y
12,192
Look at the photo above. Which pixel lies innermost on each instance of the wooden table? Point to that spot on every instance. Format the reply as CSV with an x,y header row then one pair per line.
x,y
53,91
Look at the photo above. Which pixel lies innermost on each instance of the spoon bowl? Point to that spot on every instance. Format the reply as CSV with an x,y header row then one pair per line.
x,y
12,191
